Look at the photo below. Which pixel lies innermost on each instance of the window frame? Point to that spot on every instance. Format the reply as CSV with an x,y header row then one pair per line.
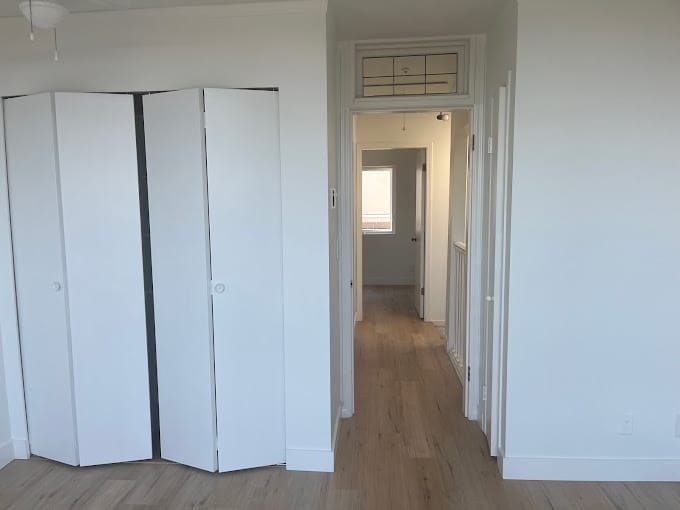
x,y
393,197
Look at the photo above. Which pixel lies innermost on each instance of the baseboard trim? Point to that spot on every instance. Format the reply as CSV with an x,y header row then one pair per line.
x,y
440,324
21,449
6,453
322,461
458,368
589,469
346,413
336,431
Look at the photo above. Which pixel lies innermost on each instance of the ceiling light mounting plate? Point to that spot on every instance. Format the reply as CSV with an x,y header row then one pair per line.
x,y
45,14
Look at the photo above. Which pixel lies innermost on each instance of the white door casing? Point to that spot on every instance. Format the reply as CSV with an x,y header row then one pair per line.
x,y
420,226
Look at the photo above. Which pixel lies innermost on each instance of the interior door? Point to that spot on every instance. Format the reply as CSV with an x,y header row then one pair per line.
x,y
421,200
103,253
244,189
39,276
180,251
499,196
485,404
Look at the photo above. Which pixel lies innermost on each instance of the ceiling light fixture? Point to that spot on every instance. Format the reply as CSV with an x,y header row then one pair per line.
x,y
44,14
443,116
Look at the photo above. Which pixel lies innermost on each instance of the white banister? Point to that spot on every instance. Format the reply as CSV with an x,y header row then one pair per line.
x,y
458,309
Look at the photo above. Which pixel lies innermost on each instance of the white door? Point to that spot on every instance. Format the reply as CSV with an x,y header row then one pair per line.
x,y
180,252
39,276
244,189
491,328
358,281
421,200
496,288
103,252
488,272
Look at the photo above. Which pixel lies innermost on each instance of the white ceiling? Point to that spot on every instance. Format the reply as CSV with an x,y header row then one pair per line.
x,y
355,19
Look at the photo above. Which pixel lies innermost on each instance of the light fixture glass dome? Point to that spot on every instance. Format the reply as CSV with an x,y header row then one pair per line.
x,y
45,14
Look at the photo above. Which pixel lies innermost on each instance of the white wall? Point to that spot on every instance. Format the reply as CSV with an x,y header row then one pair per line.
x,y
260,45
389,259
594,273
422,130
333,224
460,122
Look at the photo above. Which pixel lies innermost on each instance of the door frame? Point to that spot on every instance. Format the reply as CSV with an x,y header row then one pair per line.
x,y
359,148
347,107
501,264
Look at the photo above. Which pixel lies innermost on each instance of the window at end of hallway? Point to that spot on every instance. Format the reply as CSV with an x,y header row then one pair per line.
x,y
377,200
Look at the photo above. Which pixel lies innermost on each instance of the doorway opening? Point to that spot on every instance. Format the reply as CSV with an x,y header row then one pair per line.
x,y
411,189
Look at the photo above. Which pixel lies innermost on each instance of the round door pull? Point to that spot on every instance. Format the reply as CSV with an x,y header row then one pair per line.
x,y
56,286
414,239
220,288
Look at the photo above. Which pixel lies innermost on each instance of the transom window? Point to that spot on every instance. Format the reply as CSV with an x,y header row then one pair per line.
x,y
409,75
377,200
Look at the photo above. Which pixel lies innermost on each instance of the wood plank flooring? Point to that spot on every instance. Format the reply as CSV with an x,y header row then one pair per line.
x,y
407,447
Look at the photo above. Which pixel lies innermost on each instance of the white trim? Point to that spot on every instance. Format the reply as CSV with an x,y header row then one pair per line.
x,y
459,369
9,322
322,461
589,469
6,453
493,347
501,243
440,324
336,427
21,449
461,47
349,105
475,207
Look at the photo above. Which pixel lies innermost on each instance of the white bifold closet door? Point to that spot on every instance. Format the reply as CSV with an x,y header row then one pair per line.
x,y
215,217
74,204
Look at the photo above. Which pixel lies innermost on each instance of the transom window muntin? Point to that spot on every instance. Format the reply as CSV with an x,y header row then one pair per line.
x,y
377,200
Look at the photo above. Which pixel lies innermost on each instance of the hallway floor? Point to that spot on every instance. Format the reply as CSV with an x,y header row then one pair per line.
x,y
407,447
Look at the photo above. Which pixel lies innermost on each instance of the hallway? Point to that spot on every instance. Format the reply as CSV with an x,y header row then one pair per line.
x,y
409,435
408,447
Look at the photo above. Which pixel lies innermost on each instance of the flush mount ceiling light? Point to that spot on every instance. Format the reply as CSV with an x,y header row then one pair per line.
x,y
443,116
44,14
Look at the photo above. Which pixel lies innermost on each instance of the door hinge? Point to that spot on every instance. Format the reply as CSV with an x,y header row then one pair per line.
x,y
351,283
468,373
484,393
473,142
205,120
422,291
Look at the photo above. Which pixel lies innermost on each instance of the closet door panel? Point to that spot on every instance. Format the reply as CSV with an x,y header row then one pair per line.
x,y
102,235
244,187
178,212
39,276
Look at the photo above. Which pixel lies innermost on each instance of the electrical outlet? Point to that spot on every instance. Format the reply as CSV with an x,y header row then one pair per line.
x,y
627,425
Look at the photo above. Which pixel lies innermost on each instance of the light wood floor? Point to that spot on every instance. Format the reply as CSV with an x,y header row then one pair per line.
x,y
407,447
